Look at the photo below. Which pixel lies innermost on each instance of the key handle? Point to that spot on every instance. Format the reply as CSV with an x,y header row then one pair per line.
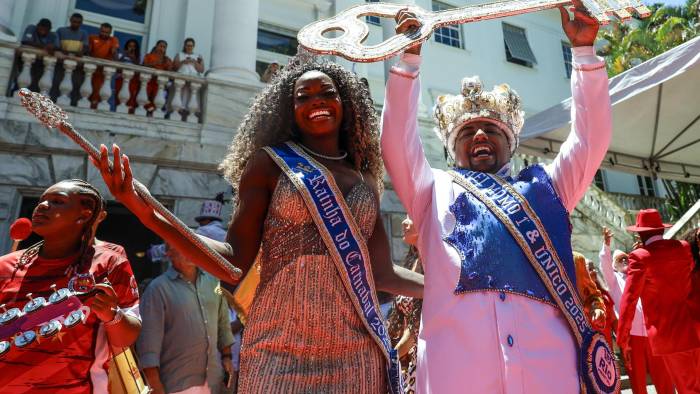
x,y
354,29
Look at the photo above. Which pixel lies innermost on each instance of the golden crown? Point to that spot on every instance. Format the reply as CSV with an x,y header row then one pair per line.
x,y
500,105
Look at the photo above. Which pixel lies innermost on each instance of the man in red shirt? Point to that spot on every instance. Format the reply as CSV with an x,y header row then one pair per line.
x,y
102,46
660,273
74,360
692,237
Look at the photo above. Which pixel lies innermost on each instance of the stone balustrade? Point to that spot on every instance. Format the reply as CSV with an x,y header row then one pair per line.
x,y
598,206
689,220
685,225
633,203
125,88
604,208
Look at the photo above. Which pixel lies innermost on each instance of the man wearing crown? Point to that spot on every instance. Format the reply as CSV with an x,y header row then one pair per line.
x,y
498,311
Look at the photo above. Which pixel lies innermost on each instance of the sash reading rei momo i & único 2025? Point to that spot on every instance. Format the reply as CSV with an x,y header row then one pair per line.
x,y
598,372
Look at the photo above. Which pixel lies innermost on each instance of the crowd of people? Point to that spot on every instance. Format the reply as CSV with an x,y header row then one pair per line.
x,y
73,40
491,298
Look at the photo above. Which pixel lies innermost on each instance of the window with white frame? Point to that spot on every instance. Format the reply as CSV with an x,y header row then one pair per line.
x,y
371,19
646,186
130,19
449,35
274,41
276,44
518,49
599,180
568,57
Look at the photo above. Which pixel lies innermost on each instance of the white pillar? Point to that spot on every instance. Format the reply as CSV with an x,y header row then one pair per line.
x,y
322,9
388,31
86,87
47,77
176,103
193,106
125,94
25,76
142,97
6,33
235,39
66,86
159,99
106,89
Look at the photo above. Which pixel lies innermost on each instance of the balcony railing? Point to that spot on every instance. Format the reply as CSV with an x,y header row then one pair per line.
x,y
634,202
599,206
125,88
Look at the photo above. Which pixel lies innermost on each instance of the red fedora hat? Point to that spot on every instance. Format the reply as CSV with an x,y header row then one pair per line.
x,y
647,220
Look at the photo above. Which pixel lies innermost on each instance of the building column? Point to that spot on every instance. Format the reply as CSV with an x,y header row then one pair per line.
x,y
388,31
322,9
6,33
235,38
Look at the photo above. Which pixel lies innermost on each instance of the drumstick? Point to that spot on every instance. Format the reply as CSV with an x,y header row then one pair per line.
x,y
20,230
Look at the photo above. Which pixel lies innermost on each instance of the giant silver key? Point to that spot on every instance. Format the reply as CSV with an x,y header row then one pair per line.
x,y
354,30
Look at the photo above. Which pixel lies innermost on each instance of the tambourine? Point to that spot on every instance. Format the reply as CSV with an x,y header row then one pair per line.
x,y
63,309
354,30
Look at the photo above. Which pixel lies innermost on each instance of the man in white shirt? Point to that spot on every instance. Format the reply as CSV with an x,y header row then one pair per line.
x,y
488,323
614,271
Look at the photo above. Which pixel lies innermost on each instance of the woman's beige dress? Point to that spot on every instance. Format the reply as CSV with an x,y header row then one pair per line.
x,y
303,333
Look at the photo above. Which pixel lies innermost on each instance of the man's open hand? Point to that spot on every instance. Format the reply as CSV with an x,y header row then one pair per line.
x,y
582,29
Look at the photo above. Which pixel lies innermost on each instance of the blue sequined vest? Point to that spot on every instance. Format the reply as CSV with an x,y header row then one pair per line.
x,y
491,259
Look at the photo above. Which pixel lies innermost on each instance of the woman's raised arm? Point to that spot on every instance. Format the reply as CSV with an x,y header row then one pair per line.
x,y
245,232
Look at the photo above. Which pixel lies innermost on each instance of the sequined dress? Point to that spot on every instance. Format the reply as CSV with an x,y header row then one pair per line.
x,y
303,333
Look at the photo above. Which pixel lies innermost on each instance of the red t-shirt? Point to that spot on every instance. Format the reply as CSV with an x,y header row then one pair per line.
x,y
62,363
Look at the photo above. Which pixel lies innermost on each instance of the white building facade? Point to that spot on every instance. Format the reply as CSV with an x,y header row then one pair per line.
x,y
176,157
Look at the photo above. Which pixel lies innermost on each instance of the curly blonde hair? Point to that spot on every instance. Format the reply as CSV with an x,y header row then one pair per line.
x,y
270,121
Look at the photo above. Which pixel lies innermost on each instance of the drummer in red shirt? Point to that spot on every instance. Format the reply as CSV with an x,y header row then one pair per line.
x,y
660,273
73,360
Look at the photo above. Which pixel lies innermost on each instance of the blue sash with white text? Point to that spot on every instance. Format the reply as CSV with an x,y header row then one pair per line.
x,y
343,240
598,369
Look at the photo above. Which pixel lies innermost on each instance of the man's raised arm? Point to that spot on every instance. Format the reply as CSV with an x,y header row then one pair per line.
x,y
591,128
402,151
591,124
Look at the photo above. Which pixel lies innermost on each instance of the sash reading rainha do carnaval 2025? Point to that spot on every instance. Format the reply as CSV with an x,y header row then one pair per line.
x,y
343,240
597,369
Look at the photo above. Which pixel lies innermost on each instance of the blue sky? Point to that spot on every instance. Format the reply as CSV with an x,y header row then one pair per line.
x,y
667,2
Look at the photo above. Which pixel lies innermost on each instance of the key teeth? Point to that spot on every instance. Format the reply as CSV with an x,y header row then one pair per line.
x,y
602,18
623,14
642,11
